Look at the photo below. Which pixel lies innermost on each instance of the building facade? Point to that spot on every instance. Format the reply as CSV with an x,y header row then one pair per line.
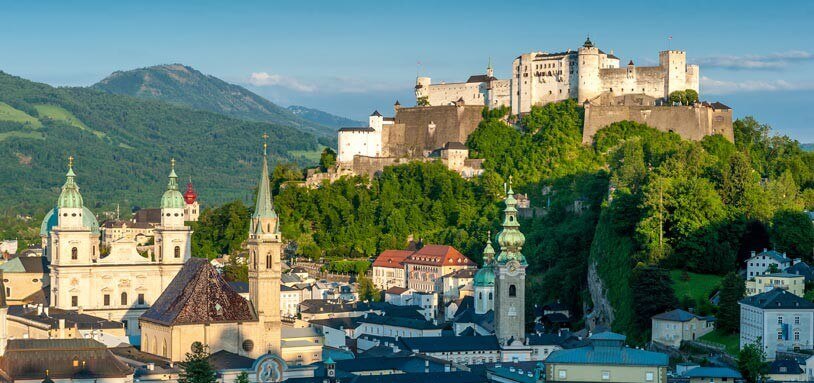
x,y
778,321
426,266
673,327
388,269
792,283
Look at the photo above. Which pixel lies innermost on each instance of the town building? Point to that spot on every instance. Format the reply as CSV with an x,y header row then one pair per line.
x,y
767,261
786,370
38,322
606,359
673,327
426,266
462,350
712,375
483,90
123,284
792,283
388,269
778,321
26,280
457,284
62,360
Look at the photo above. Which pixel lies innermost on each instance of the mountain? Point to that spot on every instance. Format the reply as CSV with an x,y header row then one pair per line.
x,y
807,147
123,146
323,118
183,85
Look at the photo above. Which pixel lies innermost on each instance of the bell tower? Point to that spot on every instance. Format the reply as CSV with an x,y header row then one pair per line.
x,y
510,277
172,237
265,252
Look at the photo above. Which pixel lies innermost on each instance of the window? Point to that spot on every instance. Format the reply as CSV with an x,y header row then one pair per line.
x,y
107,300
562,374
141,299
74,253
797,320
779,320
797,335
268,260
512,291
780,334
8,292
177,251
648,376
74,301
124,299
490,295
605,375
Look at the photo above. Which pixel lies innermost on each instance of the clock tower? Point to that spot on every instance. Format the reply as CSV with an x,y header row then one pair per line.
x,y
510,277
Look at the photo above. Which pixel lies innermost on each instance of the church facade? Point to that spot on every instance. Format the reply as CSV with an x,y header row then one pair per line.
x,y
123,284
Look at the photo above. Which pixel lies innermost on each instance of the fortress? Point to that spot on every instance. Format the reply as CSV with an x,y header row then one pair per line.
x,y
446,113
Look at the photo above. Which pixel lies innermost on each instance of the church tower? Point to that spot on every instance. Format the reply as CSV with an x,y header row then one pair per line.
x,y
484,281
510,277
172,237
265,250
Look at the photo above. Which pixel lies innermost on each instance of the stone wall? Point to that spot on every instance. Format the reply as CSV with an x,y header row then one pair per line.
x,y
690,122
420,130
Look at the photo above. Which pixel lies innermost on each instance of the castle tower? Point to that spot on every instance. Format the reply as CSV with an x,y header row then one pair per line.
x,y
172,237
674,65
510,277
490,72
265,250
422,90
589,84
484,281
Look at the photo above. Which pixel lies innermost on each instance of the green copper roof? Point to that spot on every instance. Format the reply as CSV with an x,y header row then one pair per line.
x,y
172,198
264,207
52,218
70,197
510,239
485,276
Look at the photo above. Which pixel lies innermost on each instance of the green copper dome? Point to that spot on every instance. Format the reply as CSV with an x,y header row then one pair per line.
x,y
485,276
70,197
172,198
52,218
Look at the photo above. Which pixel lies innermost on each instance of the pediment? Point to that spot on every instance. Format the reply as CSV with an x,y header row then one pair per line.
x,y
123,252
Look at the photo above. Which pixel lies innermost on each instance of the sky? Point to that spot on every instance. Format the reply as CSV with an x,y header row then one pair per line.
x,y
352,57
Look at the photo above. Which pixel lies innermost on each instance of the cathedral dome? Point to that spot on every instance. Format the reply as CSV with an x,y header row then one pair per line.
x,y
70,197
172,198
51,219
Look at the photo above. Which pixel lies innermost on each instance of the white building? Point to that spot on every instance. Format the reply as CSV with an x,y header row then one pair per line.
x,y
290,299
362,141
778,321
388,269
761,263
122,285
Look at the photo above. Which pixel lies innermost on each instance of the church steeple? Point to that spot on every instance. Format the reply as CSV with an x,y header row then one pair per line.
x,y
510,277
70,197
172,198
510,239
264,218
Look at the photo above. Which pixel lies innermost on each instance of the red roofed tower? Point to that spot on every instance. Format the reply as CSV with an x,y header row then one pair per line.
x,y
191,209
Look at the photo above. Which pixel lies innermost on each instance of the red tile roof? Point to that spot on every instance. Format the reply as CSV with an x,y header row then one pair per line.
x,y
439,255
392,258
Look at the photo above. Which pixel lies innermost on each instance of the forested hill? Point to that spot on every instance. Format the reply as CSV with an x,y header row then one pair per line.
x,y
184,85
123,146
324,118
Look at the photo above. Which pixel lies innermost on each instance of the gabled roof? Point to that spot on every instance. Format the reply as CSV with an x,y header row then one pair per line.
x,y
392,258
35,265
676,315
389,320
225,360
451,343
713,372
439,255
396,290
199,294
784,366
455,145
776,255
72,318
777,299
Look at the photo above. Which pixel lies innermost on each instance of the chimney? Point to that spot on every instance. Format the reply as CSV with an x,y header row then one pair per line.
x,y
150,366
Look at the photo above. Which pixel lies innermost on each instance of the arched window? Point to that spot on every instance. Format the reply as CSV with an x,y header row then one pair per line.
x,y
268,260
74,253
480,295
512,291
124,299
490,295
177,251
164,349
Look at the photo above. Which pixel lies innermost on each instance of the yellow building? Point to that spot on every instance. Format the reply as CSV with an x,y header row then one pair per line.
x,y
607,359
794,283
26,280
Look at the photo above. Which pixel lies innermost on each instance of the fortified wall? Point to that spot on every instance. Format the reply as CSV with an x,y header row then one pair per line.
x,y
690,122
418,131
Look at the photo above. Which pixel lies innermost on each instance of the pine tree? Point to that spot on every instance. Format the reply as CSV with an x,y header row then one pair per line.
x,y
732,290
196,368
652,294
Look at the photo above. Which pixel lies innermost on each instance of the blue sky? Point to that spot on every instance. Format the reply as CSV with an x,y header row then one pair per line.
x,y
351,57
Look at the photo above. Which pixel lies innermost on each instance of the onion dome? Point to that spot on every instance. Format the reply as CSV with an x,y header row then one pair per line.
x,y
70,197
588,43
172,198
190,196
486,275
510,239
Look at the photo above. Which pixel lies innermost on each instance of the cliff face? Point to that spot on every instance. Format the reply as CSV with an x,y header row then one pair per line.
x,y
602,314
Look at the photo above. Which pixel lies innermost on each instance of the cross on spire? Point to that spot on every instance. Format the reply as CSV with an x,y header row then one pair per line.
x,y
70,161
265,143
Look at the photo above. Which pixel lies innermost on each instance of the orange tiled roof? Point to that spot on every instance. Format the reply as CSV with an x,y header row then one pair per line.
x,y
392,258
439,255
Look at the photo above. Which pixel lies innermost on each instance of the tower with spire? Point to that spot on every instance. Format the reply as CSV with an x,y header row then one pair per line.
x,y
172,236
510,277
192,209
484,280
265,253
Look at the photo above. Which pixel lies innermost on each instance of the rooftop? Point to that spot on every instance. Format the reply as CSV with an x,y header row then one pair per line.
x,y
777,299
28,359
439,255
392,258
451,343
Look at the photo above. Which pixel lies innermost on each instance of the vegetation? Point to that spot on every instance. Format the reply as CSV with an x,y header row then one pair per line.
x,y
729,312
368,291
123,146
196,368
220,230
752,363
327,160
652,294
698,287
731,342
684,97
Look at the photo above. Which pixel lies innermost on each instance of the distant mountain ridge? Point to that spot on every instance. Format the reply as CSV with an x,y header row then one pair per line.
x,y
183,85
807,147
323,118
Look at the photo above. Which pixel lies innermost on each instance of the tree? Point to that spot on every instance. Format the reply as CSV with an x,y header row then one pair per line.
x,y
732,290
367,291
327,159
793,233
243,377
652,294
678,97
196,368
752,362
691,96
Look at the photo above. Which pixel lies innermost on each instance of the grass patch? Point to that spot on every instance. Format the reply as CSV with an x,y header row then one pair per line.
x,y
8,113
59,113
310,155
30,135
730,341
698,287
